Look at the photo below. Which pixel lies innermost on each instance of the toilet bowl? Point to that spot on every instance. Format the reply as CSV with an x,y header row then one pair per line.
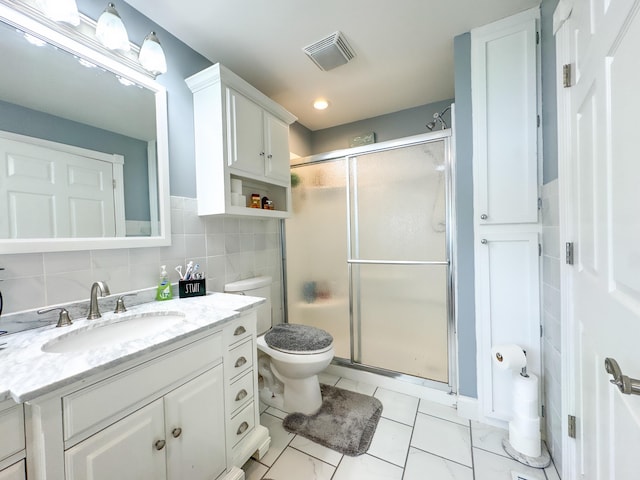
x,y
290,356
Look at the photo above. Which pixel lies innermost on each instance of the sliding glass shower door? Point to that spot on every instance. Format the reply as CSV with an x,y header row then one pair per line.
x,y
398,260
367,256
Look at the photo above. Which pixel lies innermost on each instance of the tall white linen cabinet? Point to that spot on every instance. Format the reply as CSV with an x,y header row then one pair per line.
x,y
506,181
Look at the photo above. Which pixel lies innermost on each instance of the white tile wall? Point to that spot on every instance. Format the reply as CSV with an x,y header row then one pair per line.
x,y
551,342
227,249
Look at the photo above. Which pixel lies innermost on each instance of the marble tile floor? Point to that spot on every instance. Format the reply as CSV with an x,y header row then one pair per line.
x,y
415,440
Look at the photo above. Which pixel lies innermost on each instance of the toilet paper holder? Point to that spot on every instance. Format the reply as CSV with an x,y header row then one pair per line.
x,y
627,385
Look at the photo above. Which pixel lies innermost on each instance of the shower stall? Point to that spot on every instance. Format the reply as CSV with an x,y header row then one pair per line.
x,y
368,254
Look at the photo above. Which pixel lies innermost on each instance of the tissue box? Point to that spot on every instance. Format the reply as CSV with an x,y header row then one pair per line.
x,y
191,288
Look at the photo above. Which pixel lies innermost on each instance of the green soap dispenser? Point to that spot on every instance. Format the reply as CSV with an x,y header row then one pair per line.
x,y
164,286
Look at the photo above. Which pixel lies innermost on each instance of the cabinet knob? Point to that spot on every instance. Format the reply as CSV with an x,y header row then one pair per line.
x,y
484,216
239,331
262,154
269,156
241,394
483,241
159,444
176,432
243,428
240,362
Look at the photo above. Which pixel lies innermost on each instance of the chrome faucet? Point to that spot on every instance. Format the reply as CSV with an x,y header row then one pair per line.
x,y
94,311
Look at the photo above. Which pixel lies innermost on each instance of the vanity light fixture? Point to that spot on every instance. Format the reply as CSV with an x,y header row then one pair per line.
x,y
151,55
321,104
60,10
110,30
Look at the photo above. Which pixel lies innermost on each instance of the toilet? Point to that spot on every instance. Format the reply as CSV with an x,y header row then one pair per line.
x,y
290,356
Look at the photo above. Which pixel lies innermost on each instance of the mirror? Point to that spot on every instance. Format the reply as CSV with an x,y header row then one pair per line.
x,y
83,144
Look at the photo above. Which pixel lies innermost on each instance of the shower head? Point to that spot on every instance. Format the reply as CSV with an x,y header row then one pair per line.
x,y
437,117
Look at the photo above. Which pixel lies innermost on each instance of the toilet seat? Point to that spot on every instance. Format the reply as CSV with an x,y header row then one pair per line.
x,y
298,339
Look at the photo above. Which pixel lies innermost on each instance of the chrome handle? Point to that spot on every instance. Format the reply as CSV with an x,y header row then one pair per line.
x,y
484,216
239,331
176,432
159,444
120,307
483,241
241,394
627,385
63,318
243,428
240,362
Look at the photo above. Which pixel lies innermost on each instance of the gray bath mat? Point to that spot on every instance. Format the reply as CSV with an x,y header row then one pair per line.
x,y
345,422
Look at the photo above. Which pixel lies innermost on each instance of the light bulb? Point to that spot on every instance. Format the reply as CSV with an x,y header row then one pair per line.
x,y
320,104
111,31
151,55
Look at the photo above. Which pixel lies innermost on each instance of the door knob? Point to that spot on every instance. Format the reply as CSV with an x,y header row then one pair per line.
x,y
627,385
484,216
176,432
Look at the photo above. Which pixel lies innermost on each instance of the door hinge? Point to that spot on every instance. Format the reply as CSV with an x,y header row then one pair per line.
x,y
538,120
539,203
572,426
539,249
568,253
541,336
566,75
542,410
113,182
537,38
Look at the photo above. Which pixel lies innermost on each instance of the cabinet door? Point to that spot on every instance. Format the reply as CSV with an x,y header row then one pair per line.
x,y
14,472
505,134
127,450
508,311
277,148
195,428
244,130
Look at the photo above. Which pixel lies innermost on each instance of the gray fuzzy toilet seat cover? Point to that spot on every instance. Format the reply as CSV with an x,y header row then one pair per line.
x,y
294,338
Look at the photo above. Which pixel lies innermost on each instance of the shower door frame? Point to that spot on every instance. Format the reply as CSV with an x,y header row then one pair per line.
x,y
449,160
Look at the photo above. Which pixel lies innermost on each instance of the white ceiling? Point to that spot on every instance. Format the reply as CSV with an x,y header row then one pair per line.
x,y
404,48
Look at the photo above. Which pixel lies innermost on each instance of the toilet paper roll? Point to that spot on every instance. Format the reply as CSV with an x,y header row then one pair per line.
x,y
509,356
524,436
236,185
236,199
525,396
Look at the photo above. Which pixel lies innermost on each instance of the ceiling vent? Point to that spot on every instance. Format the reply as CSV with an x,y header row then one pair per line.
x,y
330,52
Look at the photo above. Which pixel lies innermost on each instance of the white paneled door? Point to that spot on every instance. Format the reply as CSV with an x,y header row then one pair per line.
x,y
602,289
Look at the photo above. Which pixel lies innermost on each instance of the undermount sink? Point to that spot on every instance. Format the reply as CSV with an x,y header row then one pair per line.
x,y
127,328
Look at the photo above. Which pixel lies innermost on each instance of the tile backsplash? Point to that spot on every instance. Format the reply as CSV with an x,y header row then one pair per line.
x,y
226,248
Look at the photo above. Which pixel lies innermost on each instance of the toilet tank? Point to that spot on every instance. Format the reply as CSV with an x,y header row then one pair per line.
x,y
255,287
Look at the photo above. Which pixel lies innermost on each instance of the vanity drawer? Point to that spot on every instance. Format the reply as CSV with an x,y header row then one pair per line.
x,y
240,329
240,359
242,424
11,430
107,401
240,392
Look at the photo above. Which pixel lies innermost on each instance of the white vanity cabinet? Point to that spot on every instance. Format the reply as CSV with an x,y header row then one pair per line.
x,y
175,437
167,415
245,435
12,441
240,134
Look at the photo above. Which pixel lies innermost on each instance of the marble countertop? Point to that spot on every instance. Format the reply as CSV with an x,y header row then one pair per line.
x,y
27,372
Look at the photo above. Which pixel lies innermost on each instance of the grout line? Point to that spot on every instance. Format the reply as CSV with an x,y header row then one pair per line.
x,y
445,458
313,456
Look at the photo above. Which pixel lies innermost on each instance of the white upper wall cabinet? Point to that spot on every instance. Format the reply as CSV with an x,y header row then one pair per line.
x,y
240,134
505,131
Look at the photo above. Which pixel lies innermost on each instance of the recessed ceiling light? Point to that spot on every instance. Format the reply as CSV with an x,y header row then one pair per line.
x,y
320,104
